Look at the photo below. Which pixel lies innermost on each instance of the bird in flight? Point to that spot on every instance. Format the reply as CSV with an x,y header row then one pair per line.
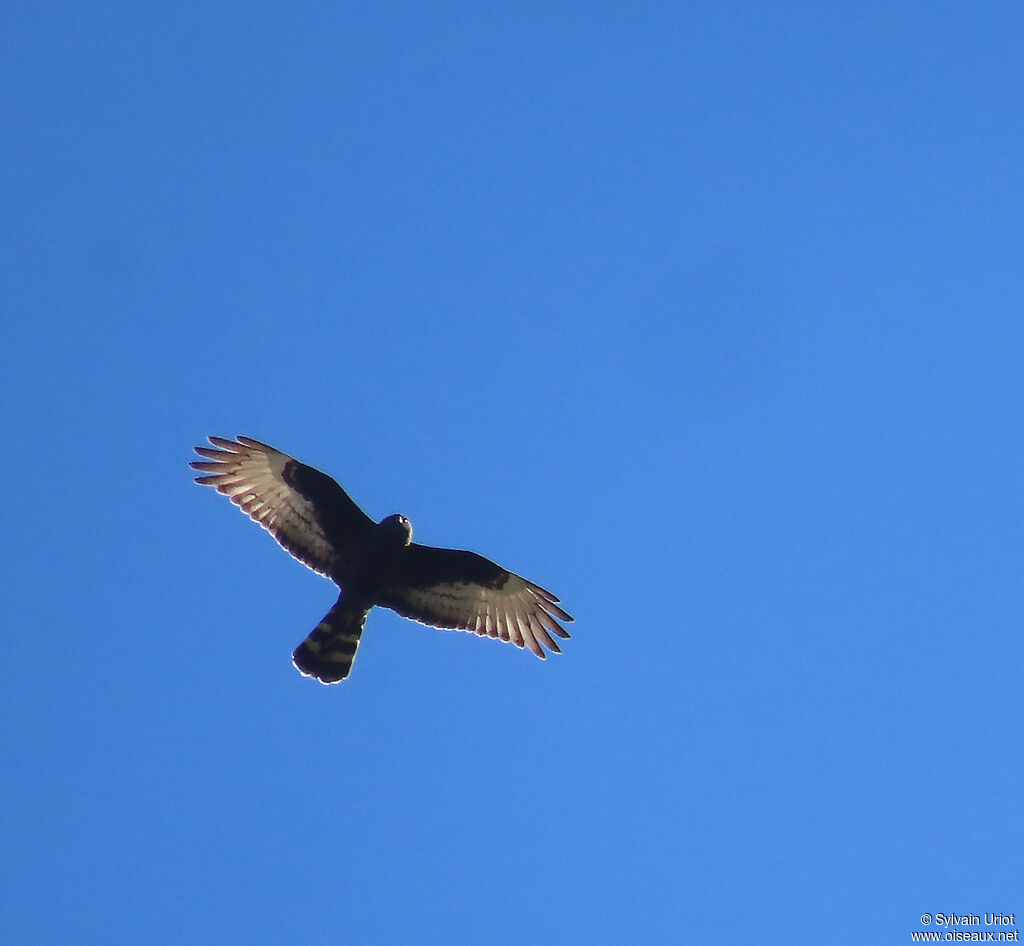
x,y
373,563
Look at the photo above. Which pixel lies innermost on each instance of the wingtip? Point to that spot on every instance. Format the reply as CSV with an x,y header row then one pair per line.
x,y
252,442
223,443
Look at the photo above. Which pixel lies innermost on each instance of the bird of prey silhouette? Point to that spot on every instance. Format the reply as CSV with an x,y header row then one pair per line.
x,y
373,563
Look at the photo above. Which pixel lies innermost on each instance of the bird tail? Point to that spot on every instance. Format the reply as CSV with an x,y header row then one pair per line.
x,y
330,649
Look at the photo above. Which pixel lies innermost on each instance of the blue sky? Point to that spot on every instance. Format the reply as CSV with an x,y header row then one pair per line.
x,y
705,316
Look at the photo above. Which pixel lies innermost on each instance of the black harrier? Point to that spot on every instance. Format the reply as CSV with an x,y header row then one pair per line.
x,y
373,563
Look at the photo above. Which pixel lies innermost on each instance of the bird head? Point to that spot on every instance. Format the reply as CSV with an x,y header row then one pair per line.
x,y
400,526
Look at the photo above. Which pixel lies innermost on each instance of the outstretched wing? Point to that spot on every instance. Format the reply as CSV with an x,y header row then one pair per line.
x,y
309,514
448,588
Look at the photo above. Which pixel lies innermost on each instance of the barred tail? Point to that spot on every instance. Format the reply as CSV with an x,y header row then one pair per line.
x,y
328,652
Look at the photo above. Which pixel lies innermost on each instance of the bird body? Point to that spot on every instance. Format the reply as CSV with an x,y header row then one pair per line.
x,y
314,519
330,649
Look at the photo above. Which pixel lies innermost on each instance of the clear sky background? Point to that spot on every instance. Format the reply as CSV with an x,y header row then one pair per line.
x,y
708,317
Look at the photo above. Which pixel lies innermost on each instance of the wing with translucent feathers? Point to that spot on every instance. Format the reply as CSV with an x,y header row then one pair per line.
x,y
308,513
463,590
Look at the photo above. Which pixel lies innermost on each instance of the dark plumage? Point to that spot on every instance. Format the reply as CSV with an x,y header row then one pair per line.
x,y
314,519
